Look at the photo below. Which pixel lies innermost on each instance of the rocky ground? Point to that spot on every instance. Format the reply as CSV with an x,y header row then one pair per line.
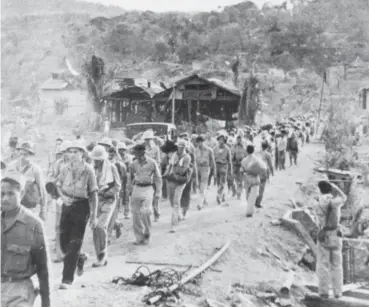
x,y
245,263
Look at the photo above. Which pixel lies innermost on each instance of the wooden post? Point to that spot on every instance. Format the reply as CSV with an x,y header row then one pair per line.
x,y
320,106
173,104
248,98
189,110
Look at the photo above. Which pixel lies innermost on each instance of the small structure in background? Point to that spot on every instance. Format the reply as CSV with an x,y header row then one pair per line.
x,y
60,96
131,101
192,98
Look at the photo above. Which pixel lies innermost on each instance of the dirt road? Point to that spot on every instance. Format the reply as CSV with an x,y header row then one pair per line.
x,y
195,241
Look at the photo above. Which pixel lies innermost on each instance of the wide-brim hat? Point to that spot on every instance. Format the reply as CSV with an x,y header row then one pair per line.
x,y
99,153
105,141
122,145
76,144
27,146
15,176
181,143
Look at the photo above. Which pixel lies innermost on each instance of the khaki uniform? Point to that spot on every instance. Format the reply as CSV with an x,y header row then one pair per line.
x,y
126,199
123,176
222,157
329,260
57,167
238,154
106,206
33,175
77,184
23,254
251,183
154,153
144,175
179,164
205,161
267,158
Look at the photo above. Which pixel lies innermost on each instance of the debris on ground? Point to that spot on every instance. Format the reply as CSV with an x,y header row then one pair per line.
x,y
167,283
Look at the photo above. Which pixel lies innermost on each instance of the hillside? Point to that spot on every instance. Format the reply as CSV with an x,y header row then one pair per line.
x,y
16,8
36,37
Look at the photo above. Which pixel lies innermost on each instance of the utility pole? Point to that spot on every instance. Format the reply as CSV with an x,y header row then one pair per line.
x,y
320,103
173,104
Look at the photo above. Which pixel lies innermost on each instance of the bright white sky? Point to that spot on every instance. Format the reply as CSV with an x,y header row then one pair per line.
x,y
177,5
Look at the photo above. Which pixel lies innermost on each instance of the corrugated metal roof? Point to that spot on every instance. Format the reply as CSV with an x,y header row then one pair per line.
x,y
120,85
56,84
227,87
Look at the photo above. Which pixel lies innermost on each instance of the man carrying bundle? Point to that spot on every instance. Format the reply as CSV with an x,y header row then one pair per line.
x,y
252,166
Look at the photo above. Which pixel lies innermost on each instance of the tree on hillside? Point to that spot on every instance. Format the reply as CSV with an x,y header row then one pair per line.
x,y
250,101
161,51
94,72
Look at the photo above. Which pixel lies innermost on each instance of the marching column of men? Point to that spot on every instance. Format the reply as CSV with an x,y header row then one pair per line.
x,y
91,184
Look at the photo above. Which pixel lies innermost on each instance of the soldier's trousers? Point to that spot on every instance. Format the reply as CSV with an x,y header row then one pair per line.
x,y
211,176
141,203
221,182
251,196
105,212
239,180
155,205
282,159
293,156
19,293
174,194
58,211
203,183
261,192
329,265
73,223
186,197
114,221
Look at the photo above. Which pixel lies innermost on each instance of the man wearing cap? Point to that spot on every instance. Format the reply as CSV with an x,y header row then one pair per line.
x,y
252,167
24,251
77,187
145,174
105,142
205,161
238,154
223,160
153,152
34,192
178,175
109,184
122,171
127,159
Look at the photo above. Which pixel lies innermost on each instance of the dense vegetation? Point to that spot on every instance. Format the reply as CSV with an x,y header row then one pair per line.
x,y
314,35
